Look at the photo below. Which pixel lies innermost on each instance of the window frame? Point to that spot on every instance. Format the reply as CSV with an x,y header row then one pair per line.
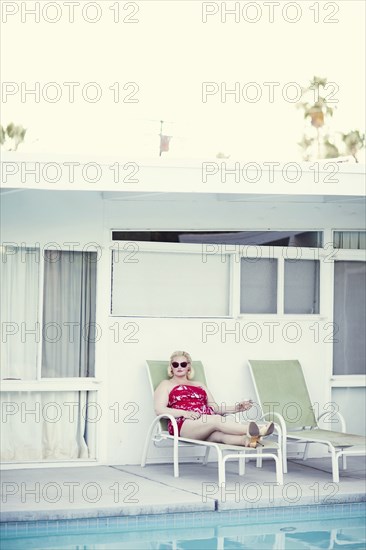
x,y
91,384
174,248
348,380
235,254
344,380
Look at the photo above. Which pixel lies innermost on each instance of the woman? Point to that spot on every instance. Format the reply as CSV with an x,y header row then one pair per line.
x,y
197,414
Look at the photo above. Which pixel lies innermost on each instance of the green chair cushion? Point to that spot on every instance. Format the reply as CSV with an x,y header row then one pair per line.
x,y
281,388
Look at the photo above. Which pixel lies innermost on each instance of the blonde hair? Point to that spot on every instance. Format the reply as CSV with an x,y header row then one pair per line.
x,y
185,354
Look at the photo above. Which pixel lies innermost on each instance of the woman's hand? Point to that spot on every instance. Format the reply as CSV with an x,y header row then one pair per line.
x,y
244,405
192,415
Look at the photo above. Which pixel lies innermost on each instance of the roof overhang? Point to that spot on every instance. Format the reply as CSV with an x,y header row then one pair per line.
x,y
228,180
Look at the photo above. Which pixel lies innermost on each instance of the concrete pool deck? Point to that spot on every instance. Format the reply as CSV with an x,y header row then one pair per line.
x,y
102,491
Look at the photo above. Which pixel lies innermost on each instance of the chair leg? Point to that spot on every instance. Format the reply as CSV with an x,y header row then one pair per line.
x,y
147,445
144,452
284,454
278,464
335,466
205,458
279,473
221,468
242,465
259,461
306,451
279,456
344,462
175,457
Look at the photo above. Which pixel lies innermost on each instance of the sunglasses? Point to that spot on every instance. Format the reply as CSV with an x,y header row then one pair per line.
x,y
175,364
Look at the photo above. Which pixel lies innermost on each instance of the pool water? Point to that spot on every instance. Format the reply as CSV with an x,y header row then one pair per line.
x,y
302,527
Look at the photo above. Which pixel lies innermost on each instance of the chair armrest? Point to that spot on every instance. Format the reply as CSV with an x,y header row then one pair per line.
x,y
341,419
169,417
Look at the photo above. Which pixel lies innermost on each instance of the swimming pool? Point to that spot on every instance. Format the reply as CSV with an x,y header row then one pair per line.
x,y
323,526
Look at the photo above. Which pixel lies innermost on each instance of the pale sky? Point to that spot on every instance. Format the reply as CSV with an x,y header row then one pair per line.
x,y
169,53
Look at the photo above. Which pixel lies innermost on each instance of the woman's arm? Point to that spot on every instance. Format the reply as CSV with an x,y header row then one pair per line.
x,y
238,407
161,400
211,401
227,409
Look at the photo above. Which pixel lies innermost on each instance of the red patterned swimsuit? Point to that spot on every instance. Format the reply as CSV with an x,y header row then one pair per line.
x,y
188,398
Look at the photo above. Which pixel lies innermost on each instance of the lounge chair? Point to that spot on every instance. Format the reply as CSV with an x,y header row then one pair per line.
x,y
157,371
281,389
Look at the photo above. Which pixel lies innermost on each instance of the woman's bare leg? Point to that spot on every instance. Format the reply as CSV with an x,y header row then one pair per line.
x,y
227,439
204,426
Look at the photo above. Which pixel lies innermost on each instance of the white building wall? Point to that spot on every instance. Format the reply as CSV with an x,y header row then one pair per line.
x,y
249,214
84,217
51,216
224,356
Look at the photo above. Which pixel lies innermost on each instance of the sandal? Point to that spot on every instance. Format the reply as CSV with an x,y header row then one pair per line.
x,y
254,434
267,430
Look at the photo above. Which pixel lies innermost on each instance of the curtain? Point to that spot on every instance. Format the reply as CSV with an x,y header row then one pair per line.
x,y
355,240
19,307
69,328
46,425
349,348
43,426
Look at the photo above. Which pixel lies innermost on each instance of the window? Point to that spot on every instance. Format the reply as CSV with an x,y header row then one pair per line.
x,y
69,328
351,403
311,239
19,312
47,425
354,240
168,284
195,280
302,286
67,331
244,272
349,349
258,285
48,304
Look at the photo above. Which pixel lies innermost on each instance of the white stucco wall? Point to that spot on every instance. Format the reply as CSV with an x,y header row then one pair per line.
x,y
43,217
225,359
